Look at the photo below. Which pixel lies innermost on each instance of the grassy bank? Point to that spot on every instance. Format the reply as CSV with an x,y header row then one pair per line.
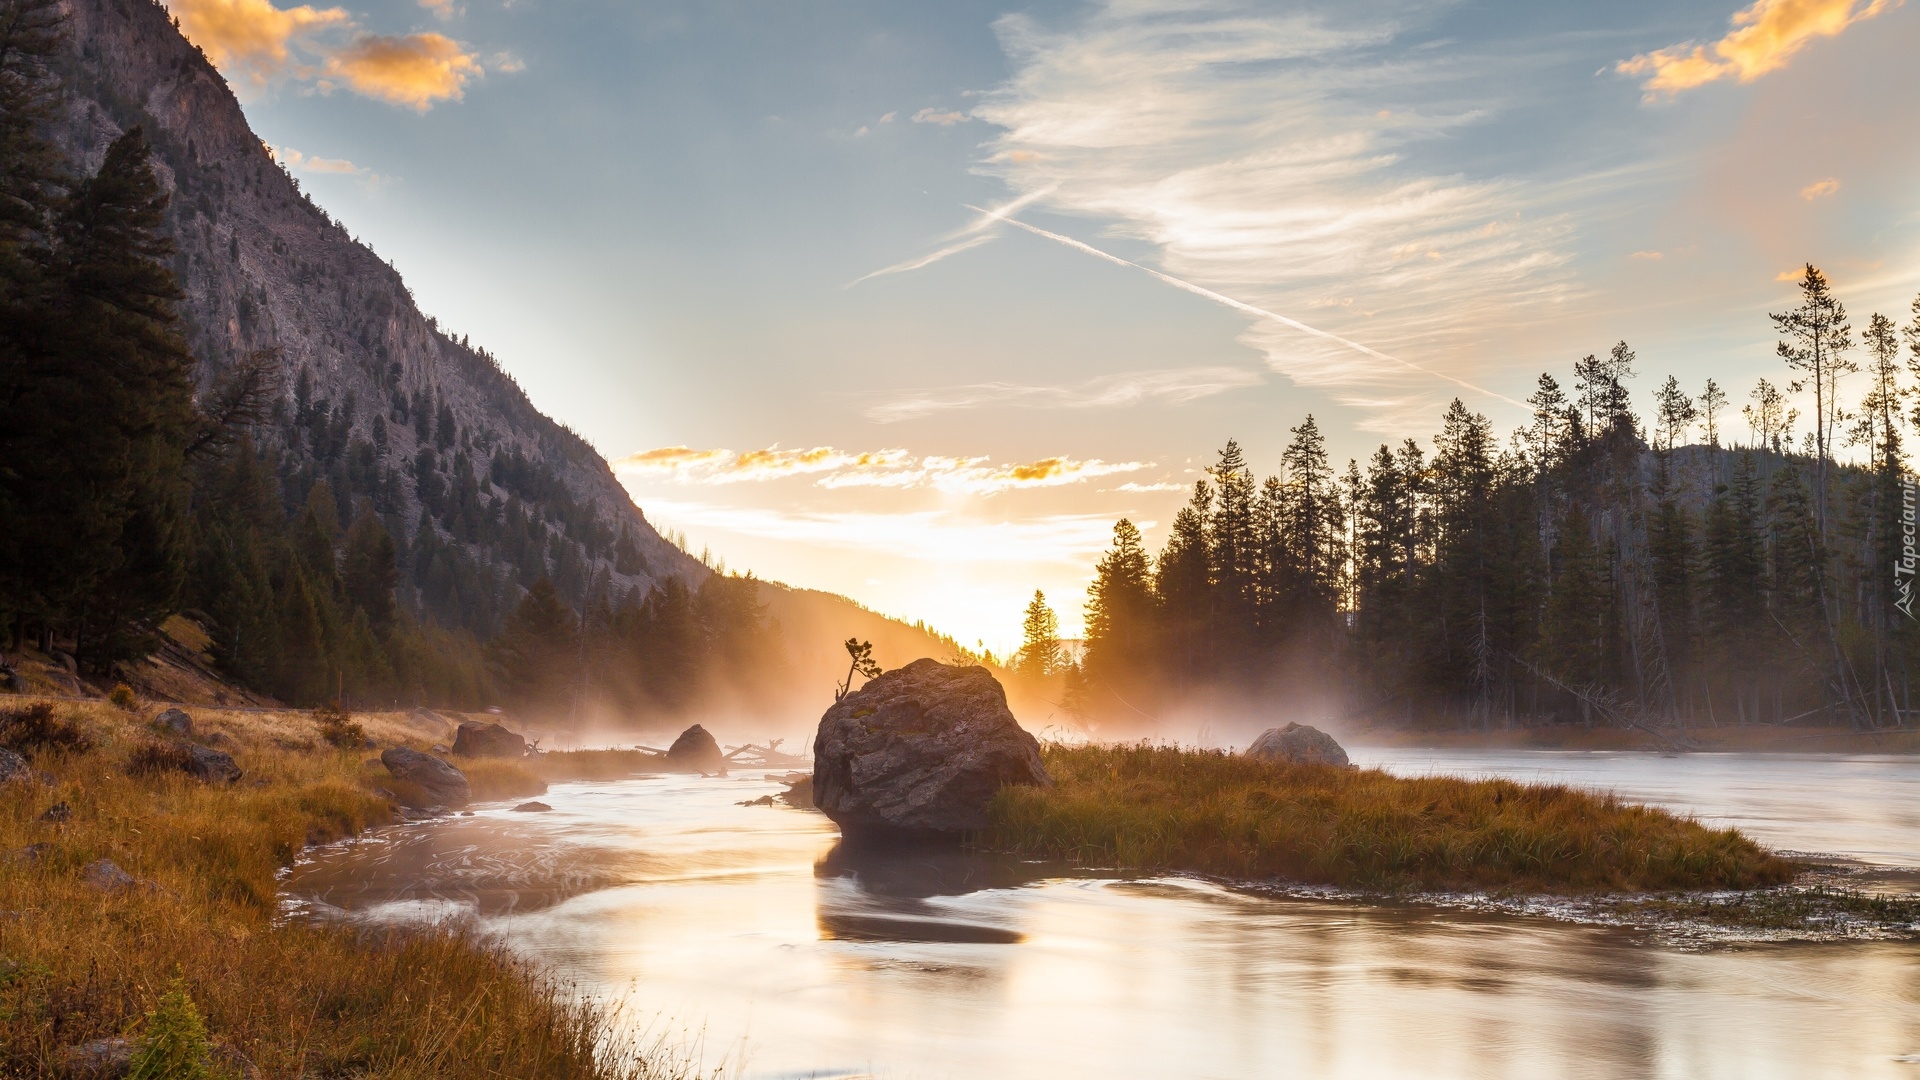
x,y
78,963
1157,808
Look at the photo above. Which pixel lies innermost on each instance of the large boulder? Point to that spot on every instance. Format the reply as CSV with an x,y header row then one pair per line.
x,y
696,751
1299,744
475,739
175,722
435,782
917,754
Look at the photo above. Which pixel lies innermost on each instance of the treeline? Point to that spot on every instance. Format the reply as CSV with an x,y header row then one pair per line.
x,y
127,497
1595,567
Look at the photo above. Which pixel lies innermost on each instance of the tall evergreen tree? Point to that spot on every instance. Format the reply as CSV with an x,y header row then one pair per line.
x,y
1120,617
1040,653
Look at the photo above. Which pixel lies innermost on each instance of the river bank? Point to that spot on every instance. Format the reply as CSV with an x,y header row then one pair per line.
x,y
1760,739
124,877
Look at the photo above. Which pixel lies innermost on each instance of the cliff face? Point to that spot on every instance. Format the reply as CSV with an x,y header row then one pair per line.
x,y
484,493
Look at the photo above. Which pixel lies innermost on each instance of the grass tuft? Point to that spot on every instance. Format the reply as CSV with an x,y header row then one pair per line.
x,y
1145,807
35,727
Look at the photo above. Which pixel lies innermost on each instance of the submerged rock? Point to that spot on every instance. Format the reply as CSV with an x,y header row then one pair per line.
x,y
475,739
918,752
696,751
535,807
1299,744
436,782
175,721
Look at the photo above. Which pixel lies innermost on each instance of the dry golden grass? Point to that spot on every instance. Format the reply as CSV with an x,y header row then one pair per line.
x,y
1158,808
296,999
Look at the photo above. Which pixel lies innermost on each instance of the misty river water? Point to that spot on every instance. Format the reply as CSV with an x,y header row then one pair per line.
x,y
746,935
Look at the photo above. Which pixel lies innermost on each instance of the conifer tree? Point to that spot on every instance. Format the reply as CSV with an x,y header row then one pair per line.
x,y
1120,615
1040,653
1183,588
1817,336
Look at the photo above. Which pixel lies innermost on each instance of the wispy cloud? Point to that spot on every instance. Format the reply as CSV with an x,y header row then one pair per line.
x,y
971,235
1272,160
1173,385
1820,189
442,8
1764,37
945,118
833,468
940,537
257,44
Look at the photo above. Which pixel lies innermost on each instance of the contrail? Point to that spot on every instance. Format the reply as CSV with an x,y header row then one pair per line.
x,y
986,220
1261,312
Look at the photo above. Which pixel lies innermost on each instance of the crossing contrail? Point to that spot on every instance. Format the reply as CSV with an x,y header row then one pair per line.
x,y
972,235
1239,305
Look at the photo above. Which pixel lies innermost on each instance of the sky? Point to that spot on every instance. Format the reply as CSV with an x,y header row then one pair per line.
x,y
911,302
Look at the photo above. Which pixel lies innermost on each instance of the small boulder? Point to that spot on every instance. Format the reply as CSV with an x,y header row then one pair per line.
x,y
97,1060
30,854
56,814
209,766
175,721
220,740
106,875
917,754
438,782
13,768
695,751
475,739
532,808
1299,744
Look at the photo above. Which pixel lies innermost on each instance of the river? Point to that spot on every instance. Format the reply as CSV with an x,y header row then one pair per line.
x,y
745,934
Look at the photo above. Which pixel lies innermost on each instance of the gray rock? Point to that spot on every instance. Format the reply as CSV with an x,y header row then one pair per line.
x,y
1299,744
176,721
918,752
210,766
532,808
474,739
220,740
439,783
30,854
57,813
695,751
440,748
97,1060
13,768
105,875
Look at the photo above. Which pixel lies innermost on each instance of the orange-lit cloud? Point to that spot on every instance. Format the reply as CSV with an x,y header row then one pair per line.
x,y
417,70
1820,189
1765,36
931,115
255,43
442,8
252,39
872,469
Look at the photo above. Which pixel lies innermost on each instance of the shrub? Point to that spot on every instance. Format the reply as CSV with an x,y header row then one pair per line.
x,y
34,727
174,1045
339,728
121,697
151,756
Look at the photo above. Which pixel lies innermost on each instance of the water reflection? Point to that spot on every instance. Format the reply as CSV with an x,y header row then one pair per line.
x,y
752,927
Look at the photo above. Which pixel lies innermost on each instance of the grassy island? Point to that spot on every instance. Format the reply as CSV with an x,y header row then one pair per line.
x,y
189,941
1143,807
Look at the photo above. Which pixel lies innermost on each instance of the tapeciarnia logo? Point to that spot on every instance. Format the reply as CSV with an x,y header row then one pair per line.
x,y
1903,567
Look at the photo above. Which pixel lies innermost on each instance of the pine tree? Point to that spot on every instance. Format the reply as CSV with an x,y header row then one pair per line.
x,y
1818,336
370,570
1313,521
1734,600
1233,543
1040,653
1120,618
536,655
1183,589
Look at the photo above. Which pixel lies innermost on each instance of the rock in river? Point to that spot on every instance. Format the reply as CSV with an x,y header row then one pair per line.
x,y
438,783
475,739
917,753
1299,744
695,751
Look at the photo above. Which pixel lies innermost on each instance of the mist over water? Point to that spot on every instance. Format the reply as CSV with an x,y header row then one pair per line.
x,y
750,930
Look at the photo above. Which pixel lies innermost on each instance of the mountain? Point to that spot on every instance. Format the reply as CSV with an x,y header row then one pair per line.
x,y
483,492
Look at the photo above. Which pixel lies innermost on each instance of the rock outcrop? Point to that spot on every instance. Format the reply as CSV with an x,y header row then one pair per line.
x,y
917,753
696,751
475,739
425,780
1299,744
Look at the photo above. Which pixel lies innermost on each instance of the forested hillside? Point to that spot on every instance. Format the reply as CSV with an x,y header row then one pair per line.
x,y
218,403
1595,567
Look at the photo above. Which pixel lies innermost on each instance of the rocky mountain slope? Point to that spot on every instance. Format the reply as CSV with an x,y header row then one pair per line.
x,y
484,493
